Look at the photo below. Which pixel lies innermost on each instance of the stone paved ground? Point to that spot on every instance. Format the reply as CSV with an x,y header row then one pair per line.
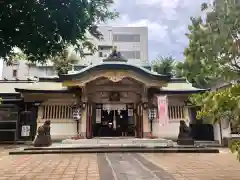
x,y
4,149
126,166
223,166
57,167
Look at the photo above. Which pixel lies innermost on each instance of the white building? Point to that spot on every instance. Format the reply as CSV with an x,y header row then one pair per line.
x,y
132,42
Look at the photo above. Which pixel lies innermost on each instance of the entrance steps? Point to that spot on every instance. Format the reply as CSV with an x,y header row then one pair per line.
x,y
116,142
114,145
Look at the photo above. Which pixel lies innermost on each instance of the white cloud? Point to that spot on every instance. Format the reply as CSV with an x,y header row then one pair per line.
x,y
156,30
167,22
158,3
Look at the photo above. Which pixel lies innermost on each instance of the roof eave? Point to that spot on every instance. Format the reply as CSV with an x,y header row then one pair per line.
x,y
40,91
182,91
114,67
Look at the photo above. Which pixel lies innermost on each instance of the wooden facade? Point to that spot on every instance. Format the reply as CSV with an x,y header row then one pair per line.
x,y
116,89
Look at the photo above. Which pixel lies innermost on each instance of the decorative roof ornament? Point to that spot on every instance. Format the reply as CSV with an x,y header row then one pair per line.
x,y
115,56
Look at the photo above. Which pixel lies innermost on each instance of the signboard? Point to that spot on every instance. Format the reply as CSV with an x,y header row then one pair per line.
x,y
130,112
77,114
163,110
25,131
152,112
98,115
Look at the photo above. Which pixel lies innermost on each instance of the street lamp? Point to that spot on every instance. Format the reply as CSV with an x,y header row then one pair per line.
x,y
151,116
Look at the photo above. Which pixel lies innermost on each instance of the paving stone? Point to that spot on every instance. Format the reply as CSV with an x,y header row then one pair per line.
x,y
48,167
222,166
125,166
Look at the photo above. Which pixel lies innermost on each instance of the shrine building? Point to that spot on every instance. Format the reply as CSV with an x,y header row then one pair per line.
x,y
113,98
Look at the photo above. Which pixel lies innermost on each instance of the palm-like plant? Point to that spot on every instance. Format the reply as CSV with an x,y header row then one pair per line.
x,y
164,65
63,62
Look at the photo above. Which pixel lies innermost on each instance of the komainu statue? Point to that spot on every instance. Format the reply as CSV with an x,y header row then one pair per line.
x,y
43,138
184,136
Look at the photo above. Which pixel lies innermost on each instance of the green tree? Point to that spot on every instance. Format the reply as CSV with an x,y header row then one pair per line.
x,y
214,46
213,51
64,61
164,65
195,73
214,43
42,29
221,105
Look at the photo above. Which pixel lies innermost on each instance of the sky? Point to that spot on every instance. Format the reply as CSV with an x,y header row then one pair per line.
x,y
167,22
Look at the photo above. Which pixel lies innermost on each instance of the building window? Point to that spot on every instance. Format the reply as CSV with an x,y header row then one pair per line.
x,y
100,54
176,112
126,37
14,73
57,112
131,54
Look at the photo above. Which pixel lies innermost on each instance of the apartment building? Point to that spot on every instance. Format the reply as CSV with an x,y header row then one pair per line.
x,y
132,42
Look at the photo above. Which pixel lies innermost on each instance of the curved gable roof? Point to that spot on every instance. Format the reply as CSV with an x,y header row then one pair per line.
x,y
115,66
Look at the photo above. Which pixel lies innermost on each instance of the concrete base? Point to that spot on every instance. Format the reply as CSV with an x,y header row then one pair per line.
x,y
186,141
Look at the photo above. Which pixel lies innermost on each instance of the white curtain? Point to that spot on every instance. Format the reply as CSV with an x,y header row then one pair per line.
x,y
98,115
117,107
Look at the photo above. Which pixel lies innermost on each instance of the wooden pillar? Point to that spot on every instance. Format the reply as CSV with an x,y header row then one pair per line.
x,y
139,122
89,122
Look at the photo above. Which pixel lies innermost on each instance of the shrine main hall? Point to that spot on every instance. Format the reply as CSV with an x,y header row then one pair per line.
x,y
111,99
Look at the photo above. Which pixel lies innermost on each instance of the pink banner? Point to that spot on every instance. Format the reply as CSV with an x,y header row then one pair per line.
x,y
162,110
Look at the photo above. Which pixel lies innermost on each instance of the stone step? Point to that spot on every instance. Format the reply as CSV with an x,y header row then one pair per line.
x,y
97,146
116,150
208,143
115,141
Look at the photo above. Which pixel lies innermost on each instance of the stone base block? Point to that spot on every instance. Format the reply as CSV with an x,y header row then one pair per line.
x,y
185,141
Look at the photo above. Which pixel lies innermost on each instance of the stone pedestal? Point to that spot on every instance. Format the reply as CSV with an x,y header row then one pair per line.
x,y
184,136
185,141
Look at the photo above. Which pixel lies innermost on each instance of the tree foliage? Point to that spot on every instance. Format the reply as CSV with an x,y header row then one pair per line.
x,y
214,43
196,73
43,28
164,65
214,53
221,105
63,62
213,50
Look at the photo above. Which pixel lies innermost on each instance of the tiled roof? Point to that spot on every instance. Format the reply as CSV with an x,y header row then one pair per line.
x,y
180,86
11,87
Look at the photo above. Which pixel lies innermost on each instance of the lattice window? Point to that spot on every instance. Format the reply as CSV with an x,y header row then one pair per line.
x,y
57,112
176,112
